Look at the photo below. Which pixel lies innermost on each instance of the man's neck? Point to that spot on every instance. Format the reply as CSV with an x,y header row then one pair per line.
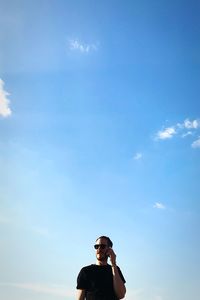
x,y
101,262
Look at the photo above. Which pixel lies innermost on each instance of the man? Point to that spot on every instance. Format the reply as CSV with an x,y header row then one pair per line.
x,y
101,281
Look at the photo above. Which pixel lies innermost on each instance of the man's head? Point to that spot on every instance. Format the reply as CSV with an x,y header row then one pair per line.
x,y
108,240
101,246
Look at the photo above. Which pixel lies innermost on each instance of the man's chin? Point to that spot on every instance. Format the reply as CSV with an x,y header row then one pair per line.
x,y
101,257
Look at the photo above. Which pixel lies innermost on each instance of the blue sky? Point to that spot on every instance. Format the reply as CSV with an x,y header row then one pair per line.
x,y
100,134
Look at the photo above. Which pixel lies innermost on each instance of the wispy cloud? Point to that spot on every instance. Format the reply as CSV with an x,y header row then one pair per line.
x,y
191,124
166,133
196,144
159,205
186,128
53,289
137,156
5,110
76,45
187,133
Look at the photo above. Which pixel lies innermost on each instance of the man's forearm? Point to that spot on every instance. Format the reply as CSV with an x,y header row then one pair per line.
x,y
80,295
119,287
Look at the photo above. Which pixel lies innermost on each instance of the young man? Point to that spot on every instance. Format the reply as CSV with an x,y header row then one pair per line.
x,y
101,281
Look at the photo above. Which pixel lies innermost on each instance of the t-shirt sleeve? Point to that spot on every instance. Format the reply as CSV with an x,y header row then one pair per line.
x,y
82,282
121,275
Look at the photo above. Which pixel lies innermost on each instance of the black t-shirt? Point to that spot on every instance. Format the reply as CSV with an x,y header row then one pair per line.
x,y
97,281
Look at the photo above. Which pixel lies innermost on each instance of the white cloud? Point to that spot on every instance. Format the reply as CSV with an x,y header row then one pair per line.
x,y
186,128
159,205
53,289
187,134
137,156
191,124
5,110
75,45
166,133
196,144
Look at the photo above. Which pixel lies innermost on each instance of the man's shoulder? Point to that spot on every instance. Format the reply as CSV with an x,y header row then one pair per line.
x,y
89,267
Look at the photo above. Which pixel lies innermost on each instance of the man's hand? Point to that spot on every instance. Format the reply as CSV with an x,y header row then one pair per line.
x,y
112,256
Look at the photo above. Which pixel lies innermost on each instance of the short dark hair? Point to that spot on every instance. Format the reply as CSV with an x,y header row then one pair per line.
x,y
110,243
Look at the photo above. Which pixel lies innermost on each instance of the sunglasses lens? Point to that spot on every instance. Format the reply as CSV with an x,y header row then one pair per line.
x,y
101,246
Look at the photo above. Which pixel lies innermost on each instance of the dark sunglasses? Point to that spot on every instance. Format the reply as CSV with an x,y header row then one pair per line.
x,y
101,246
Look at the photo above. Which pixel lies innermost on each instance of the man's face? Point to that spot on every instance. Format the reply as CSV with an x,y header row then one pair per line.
x,y
102,249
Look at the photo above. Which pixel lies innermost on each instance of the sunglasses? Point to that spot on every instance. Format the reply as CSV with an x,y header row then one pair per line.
x,y
101,246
